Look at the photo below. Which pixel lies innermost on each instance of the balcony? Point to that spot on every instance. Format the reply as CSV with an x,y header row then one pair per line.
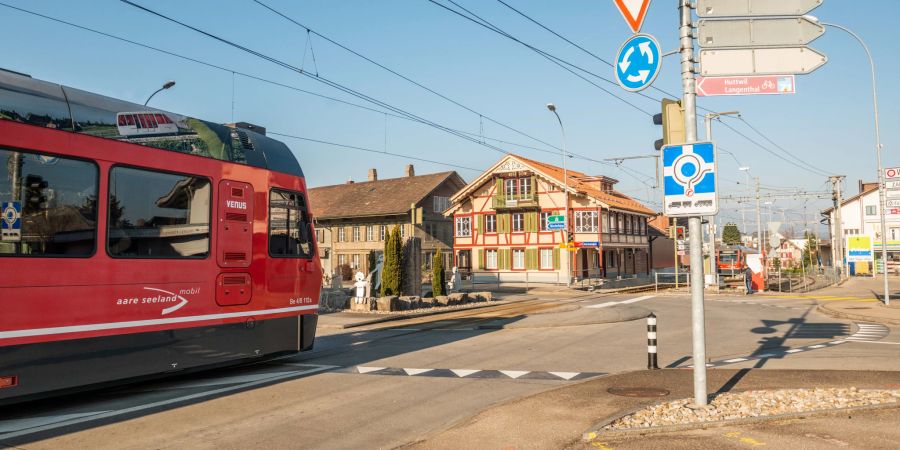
x,y
516,202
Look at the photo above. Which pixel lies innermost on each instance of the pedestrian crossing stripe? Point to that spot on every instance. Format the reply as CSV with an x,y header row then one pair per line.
x,y
469,373
866,332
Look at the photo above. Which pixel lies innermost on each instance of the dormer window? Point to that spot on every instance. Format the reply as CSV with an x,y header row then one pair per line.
x,y
525,187
511,187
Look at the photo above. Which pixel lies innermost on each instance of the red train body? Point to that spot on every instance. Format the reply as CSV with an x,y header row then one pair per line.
x,y
132,261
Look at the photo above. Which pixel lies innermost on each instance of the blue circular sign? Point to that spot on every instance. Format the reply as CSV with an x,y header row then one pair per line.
x,y
638,62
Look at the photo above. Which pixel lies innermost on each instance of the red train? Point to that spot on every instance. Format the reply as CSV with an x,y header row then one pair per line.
x,y
732,259
127,255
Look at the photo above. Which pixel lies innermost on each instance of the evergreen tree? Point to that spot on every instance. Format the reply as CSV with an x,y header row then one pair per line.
x,y
437,275
391,271
809,250
731,235
372,260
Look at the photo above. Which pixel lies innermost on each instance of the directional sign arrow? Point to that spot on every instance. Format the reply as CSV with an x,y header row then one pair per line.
x,y
758,32
760,61
746,85
731,8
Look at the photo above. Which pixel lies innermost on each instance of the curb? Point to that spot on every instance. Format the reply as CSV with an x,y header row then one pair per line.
x,y
389,318
598,432
860,317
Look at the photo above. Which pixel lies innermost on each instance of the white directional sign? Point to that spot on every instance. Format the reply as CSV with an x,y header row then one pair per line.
x,y
751,32
760,61
727,8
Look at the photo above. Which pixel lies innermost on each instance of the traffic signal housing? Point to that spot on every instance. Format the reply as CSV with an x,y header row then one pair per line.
x,y
35,194
672,120
680,233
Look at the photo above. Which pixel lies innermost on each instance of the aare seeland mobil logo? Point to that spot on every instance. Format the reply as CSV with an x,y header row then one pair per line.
x,y
171,301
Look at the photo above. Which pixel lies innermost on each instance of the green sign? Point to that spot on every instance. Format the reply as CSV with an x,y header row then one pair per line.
x,y
556,219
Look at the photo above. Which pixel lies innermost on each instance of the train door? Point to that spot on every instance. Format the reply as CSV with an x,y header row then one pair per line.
x,y
234,243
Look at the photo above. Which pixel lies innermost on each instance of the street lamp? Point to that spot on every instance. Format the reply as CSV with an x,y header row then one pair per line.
x,y
878,148
562,130
165,86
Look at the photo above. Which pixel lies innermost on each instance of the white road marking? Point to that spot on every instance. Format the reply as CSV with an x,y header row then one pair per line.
x,y
623,302
107,414
794,350
565,375
514,373
876,342
366,369
817,346
464,372
416,371
736,360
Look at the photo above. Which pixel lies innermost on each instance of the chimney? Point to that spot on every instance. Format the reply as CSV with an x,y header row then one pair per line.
x,y
410,171
373,175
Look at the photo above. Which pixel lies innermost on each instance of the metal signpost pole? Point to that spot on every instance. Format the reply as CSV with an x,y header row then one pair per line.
x,y
566,234
689,102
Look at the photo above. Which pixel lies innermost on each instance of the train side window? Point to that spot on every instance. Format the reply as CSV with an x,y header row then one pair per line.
x,y
290,234
157,214
55,202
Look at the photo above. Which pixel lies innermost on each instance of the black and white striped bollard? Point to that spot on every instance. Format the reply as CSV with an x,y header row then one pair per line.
x,y
651,342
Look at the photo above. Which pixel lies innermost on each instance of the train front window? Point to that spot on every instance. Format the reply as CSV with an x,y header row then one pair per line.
x,y
290,232
727,257
158,215
48,205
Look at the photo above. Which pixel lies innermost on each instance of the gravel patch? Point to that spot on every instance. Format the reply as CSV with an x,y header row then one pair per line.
x,y
750,404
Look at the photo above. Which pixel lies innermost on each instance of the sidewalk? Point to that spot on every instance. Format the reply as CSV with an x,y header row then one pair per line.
x,y
559,418
859,298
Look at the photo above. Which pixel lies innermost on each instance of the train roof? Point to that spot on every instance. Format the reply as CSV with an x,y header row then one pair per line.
x,y
742,248
27,100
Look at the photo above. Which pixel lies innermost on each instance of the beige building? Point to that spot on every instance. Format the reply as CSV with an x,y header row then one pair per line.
x,y
502,224
353,219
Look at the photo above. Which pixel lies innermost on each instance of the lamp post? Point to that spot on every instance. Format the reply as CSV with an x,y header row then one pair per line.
x,y
165,86
878,148
562,130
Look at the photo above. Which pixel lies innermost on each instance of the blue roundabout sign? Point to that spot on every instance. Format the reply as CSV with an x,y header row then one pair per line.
x,y
638,62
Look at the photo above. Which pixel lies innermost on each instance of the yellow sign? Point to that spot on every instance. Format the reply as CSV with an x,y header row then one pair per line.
x,y
859,248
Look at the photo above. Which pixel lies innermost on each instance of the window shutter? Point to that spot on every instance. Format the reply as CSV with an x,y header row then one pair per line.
x,y
531,222
534,189
531,259
555,259
499,193
503,259
503,223
480,221
479,258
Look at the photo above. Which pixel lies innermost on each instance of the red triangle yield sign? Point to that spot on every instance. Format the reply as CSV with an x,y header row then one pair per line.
x,y
634,12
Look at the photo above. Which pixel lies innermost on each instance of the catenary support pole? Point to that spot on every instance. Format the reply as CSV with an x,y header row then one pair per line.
x,y
759,237
689,103
651,343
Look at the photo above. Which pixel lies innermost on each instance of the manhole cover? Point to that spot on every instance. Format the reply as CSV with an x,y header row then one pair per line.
x,y
638,392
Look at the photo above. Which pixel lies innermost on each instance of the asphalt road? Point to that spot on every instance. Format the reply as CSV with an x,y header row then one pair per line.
x,y
400,382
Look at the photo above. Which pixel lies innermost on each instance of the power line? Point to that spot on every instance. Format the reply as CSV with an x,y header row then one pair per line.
x,y
317,78
250,76
554,59
394,72
802,166
380,152
778,146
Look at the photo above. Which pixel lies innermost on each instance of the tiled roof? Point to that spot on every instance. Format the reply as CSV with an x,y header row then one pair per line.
x,y
375,198
661,223
612,198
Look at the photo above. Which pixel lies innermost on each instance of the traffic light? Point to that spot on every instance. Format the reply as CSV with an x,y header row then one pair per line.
x,y
680,234
35,194
672,120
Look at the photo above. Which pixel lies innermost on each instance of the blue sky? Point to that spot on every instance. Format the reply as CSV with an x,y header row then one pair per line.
x,y
828,122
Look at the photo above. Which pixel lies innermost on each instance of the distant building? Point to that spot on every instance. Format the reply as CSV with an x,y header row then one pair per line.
x,y
861,215
353,219
662,246
503,223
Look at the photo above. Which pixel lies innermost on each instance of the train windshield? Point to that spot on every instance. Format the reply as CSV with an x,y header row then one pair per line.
x,y
727,257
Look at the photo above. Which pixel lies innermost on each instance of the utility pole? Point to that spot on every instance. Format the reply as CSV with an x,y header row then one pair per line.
x,y
837,243
713,269
689,103
759,237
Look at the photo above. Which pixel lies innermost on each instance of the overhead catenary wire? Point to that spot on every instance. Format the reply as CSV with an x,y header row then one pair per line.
x,y
404,77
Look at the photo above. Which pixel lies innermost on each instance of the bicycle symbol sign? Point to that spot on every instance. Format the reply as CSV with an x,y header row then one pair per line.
x,y
689,178
638,62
